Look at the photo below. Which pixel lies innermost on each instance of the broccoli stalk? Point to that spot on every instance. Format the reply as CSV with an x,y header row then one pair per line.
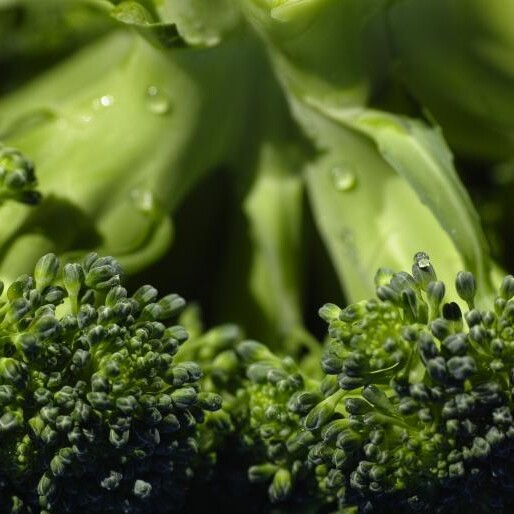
x,y
120,134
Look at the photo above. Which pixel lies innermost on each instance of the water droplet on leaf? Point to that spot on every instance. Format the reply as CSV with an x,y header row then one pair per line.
x,y
343,177
158,102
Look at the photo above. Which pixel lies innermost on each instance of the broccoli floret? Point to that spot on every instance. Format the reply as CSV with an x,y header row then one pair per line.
x,y
414,412
423,415
17,177
96,416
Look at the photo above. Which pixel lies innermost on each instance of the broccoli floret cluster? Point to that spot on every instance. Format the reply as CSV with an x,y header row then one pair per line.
x,y
95,414
255,445
17,177
413,414
422,416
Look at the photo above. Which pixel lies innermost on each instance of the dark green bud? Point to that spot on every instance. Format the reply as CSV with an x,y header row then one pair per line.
x,y
466,287
262,472
17,177
119,439
10,421
440,328
435,295
377,397
30,345
377,473
184,398
126,404
184,373
63,423
348,440
142,489
49,414
73,277
329,312
115,294
46,270
12,371
49,436
352,313
387,294
456,470
102,274
402,281
452,312
331,431
18,308
349,383
252,351
383,277
86,316
427,349
145,295
47,327
461,368
171,305
422,270
6,394
99,400
302,402
412,308
95,335
331,364
357,406
81,358
477,335
408,406
299,440
455,344
61,461
281,486
437,369
473,317
502,416
494,436
507,287
209,401
112,481
46,486
169,423
481,448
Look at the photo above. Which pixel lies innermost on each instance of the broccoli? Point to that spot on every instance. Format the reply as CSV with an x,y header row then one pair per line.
x,y
96,416
413,411
262,157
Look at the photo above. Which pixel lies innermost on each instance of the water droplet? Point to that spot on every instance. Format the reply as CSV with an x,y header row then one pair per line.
x,y
343,177
103,101
158,102
143,199
106,100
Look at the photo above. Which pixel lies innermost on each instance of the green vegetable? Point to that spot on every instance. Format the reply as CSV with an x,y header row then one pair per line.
x,y
264,157
413,413
96,415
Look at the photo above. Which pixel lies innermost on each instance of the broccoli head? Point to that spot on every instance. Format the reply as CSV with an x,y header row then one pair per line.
x,y
95,415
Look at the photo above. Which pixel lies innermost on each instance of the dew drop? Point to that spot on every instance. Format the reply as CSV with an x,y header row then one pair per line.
x,y
343,177
158,102
103,101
